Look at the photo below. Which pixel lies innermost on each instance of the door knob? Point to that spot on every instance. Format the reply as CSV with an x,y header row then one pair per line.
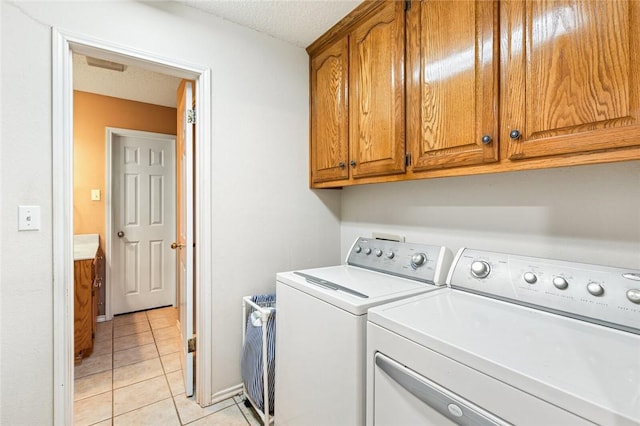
x,y
175,245
120,234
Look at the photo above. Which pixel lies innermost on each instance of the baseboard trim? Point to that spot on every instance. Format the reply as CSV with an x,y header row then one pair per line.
x,y
226,393
101,318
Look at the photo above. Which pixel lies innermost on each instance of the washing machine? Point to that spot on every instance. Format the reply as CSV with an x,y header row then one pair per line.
x,y
321,326
512,340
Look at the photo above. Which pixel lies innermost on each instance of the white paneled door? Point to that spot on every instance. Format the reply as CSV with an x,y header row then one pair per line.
x,y
143,221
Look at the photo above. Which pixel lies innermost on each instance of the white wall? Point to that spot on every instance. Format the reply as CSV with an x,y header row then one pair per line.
x,y
26,311
264,214
587,213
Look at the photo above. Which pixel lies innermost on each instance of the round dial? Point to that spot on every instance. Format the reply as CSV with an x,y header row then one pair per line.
x,y
480,269
367,251
530,277
418,259
358,249
390,254
595,289
378,252
560,283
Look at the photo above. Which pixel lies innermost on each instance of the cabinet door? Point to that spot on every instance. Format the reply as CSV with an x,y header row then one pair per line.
x,y
83,286
572,73
329,113
376,93
452,83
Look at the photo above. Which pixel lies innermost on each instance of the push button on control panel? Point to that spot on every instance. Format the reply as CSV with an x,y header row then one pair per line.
x,y
560,283
530,277
634,295
595,289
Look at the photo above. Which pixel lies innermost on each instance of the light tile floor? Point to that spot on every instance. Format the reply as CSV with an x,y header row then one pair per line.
x,y
134,377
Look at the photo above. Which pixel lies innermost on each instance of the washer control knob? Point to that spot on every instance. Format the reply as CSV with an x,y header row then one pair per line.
x,y
367,251
390,254
530,277
634,295
418,259
378,252
357,249
560,283
480,269
595,289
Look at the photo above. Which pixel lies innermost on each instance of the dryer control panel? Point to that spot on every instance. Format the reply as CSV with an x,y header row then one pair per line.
x,y
600,294
420,262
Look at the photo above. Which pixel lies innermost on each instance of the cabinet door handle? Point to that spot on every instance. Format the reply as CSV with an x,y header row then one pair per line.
x,y
353,163
341,165
486,139
515,134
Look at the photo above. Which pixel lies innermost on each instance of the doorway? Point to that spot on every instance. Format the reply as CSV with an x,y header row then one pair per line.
x,y
63,47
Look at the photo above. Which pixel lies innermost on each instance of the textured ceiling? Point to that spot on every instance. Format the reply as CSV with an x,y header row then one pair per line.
x,y
133,83
299,22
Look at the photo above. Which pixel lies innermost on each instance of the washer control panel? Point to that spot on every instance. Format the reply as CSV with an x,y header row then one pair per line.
x,y
421,262
601,294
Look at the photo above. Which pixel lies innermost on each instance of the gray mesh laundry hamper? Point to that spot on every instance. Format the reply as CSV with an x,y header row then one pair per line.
x,y
258,353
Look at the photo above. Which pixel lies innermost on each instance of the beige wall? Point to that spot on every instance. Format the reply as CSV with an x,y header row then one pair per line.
x,y
92,114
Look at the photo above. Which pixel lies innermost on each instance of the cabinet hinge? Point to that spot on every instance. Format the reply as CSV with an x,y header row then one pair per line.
x,y
191,116
407,5
407,159
191,345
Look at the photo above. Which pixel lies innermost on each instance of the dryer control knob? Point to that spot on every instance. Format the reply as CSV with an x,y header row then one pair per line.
x,y
634,295
358,249
367,251
390,254
418,259
560,283
595,289
378,252
530,277
480,269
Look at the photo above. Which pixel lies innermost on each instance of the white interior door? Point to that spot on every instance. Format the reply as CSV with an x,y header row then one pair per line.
x,y
184,241
143,221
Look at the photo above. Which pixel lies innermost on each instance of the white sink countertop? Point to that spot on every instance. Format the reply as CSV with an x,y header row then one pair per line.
x,y
85,246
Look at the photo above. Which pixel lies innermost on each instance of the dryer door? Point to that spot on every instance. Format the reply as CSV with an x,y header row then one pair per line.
x,y
402,397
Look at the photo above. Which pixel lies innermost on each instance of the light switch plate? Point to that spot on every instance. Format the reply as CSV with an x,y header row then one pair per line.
x,y
28,218
95,195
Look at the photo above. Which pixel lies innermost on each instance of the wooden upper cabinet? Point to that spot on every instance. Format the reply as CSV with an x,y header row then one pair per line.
x,y
376,92
329,113
571,76
452,83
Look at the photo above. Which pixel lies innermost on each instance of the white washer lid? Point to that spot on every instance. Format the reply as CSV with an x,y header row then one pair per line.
x,y
379,287
587,369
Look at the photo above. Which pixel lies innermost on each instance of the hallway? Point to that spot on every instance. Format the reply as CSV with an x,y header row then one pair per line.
x,y
134,377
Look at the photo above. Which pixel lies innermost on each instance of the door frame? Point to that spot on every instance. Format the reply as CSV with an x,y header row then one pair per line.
x,y
111,133
65,43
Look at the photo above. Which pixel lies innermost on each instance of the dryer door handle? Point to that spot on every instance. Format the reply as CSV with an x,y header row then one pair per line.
x,y
435,396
